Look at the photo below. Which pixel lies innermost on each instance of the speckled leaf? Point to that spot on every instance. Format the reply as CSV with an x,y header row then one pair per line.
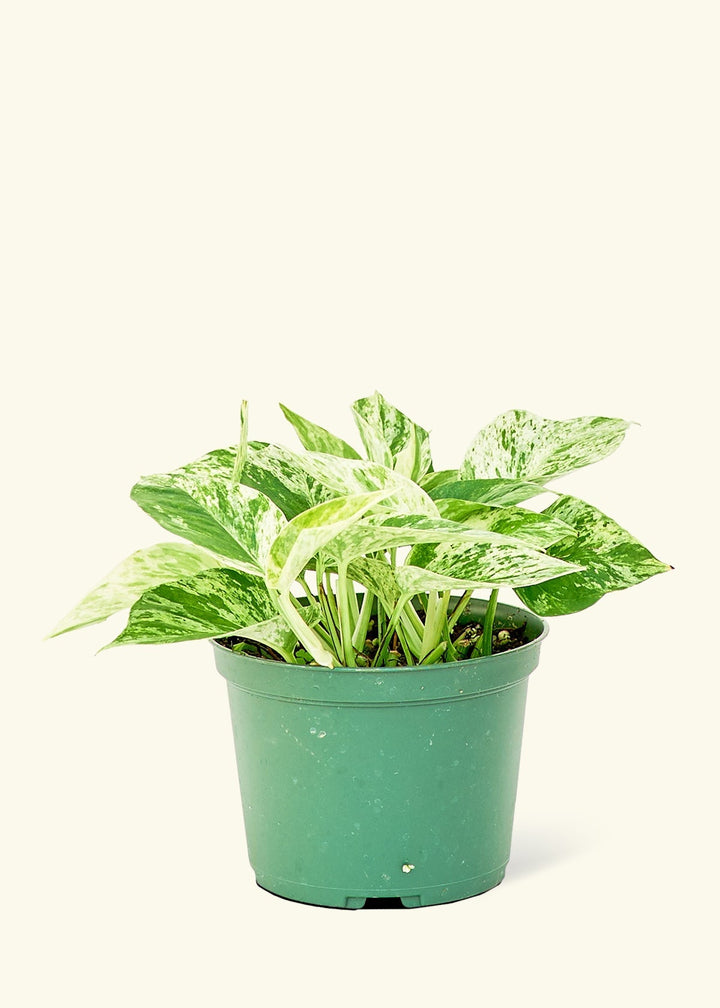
x,y
315,438
367,537
488,491
432,480
214,603
521,445
537,530
200,503
277,634
126,583
391,438
309,532
489,565
612,558
297,482
378,577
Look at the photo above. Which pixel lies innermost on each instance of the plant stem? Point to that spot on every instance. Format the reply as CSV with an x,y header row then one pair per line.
x,y
308,590
328,616
459,609
435,622
434,654
488,622
363,621
392,623
346,628
428,641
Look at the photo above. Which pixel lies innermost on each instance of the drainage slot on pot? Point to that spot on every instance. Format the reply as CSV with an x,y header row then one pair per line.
x,y
383,903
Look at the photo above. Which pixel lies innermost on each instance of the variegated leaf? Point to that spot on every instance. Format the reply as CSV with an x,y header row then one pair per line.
x,y
126,582
488,491
432,480
309,532
276,633
214,603
489,564
521,445
378,577
315,438
537,530
611,557
368,537
297,482
391,438
200,503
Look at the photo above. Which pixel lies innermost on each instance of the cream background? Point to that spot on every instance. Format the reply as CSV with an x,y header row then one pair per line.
x,y
470,207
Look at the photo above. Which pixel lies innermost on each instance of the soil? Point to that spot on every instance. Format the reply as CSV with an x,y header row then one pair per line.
x,y
465,637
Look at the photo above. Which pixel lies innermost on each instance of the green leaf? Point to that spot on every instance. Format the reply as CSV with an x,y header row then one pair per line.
x,y
309,532
537,530
611,557
521,445
214,603
317,439
488,491
487,565
391,438
129,579
200,503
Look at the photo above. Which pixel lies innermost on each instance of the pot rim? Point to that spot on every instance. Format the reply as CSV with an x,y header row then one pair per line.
x,y
382,684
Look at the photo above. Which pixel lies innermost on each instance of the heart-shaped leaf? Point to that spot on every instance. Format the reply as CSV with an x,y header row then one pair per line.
x,y
521,445
213,603
488,491
126,582
200,502
488,565
612,559
309,532
537,530
391,438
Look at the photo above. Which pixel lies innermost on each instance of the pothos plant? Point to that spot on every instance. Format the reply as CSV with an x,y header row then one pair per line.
x,y
324,557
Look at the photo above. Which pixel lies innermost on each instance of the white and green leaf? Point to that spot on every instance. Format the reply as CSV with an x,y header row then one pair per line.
x,y
611,558
522,445
378,577
391,438
318,439
488,491
488,565
213,603
302,538
297,482
432,480
200,503
368,536
538,530
126,582
276,632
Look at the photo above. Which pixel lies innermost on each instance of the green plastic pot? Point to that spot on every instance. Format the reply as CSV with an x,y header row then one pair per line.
x,y
368,784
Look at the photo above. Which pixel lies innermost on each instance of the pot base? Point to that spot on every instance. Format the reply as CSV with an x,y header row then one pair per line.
x,y
409,898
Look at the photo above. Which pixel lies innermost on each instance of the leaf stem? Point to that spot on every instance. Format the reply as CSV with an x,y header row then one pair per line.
x,y
459,609
346,627
488,622
363,621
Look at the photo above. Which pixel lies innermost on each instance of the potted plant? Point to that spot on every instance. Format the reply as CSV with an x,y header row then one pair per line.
x,y
377,704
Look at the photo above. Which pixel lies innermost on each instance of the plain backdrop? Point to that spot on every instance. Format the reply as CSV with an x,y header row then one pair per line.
x,y
471,207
